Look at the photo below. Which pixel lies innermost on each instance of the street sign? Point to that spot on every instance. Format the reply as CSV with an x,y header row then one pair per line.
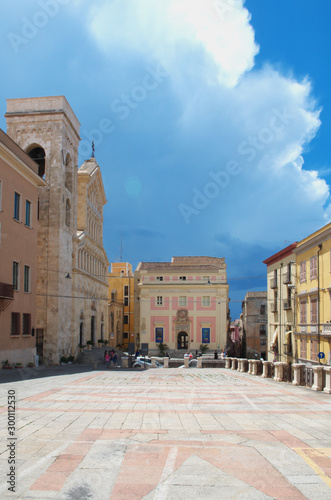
x,y
321,355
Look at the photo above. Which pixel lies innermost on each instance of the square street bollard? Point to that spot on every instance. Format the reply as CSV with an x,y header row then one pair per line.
x,y
124,362
234,364
250,366
153,361
327,371
254,370
228,362
298,369
186,362
318,378
166,362
199,364
239,365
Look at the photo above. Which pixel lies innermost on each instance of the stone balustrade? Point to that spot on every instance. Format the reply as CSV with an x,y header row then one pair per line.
x,y
298,374
267,365
250,366
318,378
228,362
327,387
234,363
186,362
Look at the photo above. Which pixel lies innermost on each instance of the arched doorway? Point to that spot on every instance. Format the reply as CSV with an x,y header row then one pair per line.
x,y
38,155
182,340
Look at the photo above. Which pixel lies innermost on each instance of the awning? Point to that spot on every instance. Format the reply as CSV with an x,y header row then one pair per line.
x,y
288,337
274,340
273,344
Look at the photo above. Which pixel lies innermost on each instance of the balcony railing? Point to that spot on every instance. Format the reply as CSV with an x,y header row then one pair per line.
x,y
273,307
287,279
287,304
273,283
6,295
326,329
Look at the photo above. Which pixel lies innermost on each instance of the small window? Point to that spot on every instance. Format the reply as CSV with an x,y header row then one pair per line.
x,y
15,323
263,330
182,278
125,335
159,301
126,290
28,213
302,271
16,269
26,324
205,301
26,279
17,206
126,319
159,278
126,301
313,268
263,341
182,301
68,209
262,309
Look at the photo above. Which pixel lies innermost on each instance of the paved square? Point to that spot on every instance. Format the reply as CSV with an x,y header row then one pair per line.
x,y
166,434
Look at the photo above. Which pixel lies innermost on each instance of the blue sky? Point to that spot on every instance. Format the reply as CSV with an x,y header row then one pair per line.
x,y
211,119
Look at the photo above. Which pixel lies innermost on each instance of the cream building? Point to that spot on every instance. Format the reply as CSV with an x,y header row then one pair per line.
x,y
182,303
282,279
69,291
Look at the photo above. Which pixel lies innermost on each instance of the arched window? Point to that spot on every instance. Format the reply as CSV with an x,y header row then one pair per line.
x,y
68,173
38,155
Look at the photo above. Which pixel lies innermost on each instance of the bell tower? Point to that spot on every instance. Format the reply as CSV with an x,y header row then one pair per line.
x,y
48,130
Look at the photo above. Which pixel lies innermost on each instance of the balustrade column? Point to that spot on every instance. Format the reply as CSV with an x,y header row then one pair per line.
x,y
318,378
199,364
234,364
153,362
124,362
327,388
186,361
298,373
166,362
266,369
239,365
228,362
250,366
244,365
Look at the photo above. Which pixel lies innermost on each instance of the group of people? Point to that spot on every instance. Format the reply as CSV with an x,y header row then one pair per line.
x,y
110,357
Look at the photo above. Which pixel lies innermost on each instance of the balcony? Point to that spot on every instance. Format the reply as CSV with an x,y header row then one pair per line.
x,y
287,305
6,295
273,283
326,329
273,307
287,279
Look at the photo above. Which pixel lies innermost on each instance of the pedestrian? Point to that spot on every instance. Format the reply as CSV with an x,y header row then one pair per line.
x,y
107,359
137,354
114,359
215,354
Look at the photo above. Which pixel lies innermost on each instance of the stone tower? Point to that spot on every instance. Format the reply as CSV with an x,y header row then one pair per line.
x,y
48,130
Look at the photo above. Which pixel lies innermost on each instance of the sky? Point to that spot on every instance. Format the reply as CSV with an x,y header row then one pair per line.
x,y
211,119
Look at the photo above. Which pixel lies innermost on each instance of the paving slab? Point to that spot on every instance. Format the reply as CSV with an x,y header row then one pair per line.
x,y
163,434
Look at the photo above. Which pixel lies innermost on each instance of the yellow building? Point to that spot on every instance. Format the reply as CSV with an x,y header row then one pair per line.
x,y
121,293
313,297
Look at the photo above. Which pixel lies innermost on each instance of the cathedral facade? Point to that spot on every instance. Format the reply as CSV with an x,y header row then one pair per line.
x,y
72,286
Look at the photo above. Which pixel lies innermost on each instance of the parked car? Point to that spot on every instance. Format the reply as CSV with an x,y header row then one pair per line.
x,y
145,363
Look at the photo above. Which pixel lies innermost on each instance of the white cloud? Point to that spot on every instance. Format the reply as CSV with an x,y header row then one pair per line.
x,y
163,28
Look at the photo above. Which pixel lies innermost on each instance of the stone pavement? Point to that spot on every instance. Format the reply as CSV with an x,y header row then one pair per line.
x,y
165,434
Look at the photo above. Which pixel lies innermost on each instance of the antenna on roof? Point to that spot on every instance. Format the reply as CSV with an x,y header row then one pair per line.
x,y
93,149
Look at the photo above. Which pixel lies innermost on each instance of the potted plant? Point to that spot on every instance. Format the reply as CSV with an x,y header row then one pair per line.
x,y
71,359
203,348
31,365
81,347
63,360
18,365
101,342
162,348
106,342
89,345
6,365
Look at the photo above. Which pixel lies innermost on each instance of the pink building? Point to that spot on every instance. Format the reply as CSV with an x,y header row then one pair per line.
x,y
19,181
182,303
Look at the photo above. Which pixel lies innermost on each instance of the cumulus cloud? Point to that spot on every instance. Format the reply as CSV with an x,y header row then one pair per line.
x,y
251,125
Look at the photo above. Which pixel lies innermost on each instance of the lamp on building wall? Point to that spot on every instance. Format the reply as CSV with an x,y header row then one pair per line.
x,y
68,277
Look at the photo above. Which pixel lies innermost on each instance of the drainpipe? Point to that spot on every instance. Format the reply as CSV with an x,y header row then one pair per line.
x,y
280,314
318,301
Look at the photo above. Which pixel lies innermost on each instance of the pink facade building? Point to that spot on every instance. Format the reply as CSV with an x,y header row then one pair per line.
x,y
182,303
19,182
